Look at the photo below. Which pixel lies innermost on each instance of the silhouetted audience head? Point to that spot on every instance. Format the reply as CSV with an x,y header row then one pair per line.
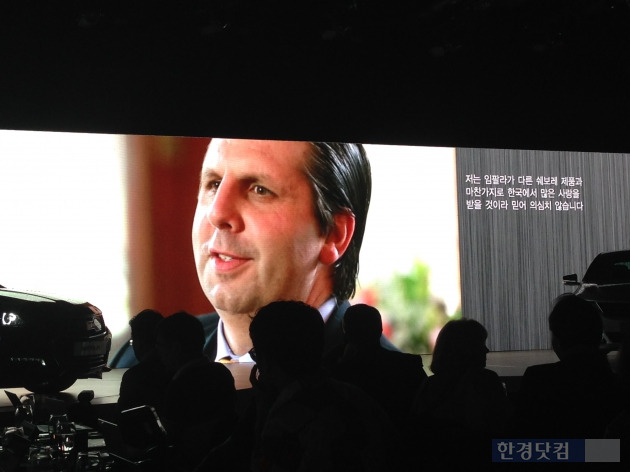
x,y
143,330
460,345
288,336
574,322
180,339
362,325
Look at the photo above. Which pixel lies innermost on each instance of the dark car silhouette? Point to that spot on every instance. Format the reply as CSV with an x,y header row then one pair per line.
x,y
607,284
47,343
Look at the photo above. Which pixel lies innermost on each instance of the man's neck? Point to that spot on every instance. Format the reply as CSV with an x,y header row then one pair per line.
x,y
236,332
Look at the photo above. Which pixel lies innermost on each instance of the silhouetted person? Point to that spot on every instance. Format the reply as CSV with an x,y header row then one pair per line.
x,y
144,383
619,426
200,400
462,405
82,411
392,378
575,397
301,418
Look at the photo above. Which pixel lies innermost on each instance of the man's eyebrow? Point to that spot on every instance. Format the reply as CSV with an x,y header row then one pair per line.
x,y
250,177
256,177
208,173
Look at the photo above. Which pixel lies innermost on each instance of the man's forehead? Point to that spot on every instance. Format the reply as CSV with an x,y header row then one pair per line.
x,y
277,150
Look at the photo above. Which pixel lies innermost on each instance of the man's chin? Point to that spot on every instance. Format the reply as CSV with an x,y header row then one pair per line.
x,y
232,307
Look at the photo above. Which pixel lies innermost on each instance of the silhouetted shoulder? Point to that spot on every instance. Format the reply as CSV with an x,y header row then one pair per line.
x,y
486,380
488,375
566,399
403,357
541,371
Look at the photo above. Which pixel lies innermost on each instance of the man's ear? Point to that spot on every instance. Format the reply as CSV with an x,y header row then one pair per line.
x,y
338,238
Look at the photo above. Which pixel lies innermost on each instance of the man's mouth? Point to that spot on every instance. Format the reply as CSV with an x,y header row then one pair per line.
x,y
226,260
223,257
224,263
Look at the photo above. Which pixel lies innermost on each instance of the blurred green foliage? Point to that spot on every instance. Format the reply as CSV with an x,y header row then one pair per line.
x,y
414,315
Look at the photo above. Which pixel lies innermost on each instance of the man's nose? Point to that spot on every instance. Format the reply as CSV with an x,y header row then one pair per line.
x,y
223,213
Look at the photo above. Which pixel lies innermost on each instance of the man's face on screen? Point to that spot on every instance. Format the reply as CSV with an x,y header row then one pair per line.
x,y
255,236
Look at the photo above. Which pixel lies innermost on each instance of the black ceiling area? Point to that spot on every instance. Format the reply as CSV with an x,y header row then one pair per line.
x,y
539,74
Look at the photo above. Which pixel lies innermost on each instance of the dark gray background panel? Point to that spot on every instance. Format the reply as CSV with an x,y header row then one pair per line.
x,y
512,261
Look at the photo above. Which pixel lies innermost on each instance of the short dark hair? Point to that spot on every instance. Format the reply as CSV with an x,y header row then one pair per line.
x,y
183,329
143,331
342,182
143,326
362,324
575,321
460,345
289,334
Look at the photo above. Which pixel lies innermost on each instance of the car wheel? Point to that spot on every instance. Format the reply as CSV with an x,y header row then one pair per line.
x,y
55,385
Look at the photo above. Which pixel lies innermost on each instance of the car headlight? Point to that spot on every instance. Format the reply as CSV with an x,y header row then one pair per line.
x,y
11,319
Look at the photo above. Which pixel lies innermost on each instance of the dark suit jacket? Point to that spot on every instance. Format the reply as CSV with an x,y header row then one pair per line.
x,y
333,341
391,378
572,398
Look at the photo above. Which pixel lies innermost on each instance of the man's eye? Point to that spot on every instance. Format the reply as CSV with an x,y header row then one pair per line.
x,y
213,185
260,190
